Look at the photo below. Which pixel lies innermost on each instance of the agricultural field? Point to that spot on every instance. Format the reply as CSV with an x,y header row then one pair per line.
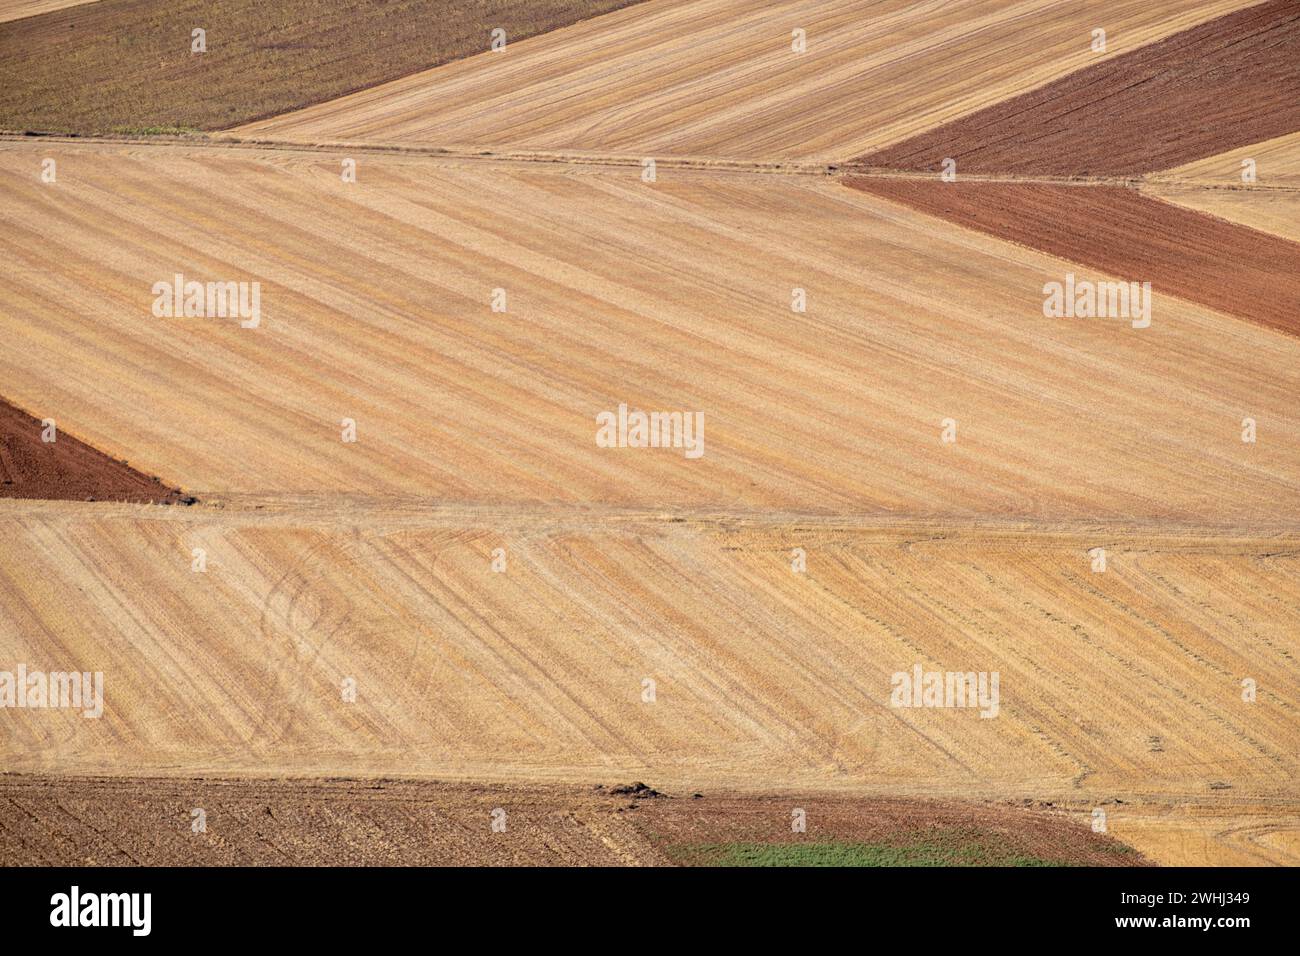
x,y
385,822
1238,75
718,78
1273,212
361,540
613,296
1232,268
133,67
71,469
1114,686
1277,165
1217,186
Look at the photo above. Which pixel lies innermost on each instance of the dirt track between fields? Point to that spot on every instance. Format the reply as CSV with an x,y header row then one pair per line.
x,y
1181,252
72,821
1239,76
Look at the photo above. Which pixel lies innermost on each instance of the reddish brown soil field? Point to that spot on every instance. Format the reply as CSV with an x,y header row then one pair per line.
x,y
1226,83
1181,252
67,468
72,821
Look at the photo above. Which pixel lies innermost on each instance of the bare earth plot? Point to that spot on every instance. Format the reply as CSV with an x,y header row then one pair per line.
x,y
376,306
106,821
63,467
719,78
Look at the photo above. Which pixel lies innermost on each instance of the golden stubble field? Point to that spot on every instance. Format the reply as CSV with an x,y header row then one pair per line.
x,y
17,9
377,306
1120,689
720,78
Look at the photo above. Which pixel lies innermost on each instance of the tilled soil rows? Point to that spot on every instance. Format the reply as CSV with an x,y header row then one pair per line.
x,y
70,821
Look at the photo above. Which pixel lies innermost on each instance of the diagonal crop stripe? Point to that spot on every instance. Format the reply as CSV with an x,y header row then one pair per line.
x,y
1182,252
1219,85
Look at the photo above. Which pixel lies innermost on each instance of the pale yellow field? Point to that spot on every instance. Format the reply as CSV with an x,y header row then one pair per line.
x,y
667,296
17,9
1123,684
1229,833
719,77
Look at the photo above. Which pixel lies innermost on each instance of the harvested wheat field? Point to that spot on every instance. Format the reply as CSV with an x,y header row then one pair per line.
x,y
614,295
896,547
719,77
1113,685
1277,165
1256,186
17,9
1272,211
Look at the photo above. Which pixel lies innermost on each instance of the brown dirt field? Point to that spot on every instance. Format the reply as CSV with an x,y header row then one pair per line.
x,y
72,821
127,65
1238,77
66,468
1181,252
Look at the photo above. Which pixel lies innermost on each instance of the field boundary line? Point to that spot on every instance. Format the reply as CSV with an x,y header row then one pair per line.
x,y
222,142
404,512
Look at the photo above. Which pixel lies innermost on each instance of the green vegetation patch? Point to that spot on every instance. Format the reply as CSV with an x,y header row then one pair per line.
x,y
839,853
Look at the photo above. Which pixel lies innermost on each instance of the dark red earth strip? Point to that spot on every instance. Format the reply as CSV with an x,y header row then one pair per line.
x,y
1232,268
1230,82
66,468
